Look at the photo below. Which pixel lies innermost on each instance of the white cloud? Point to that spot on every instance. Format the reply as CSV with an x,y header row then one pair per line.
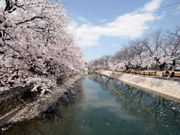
x,y
130,25
152,5
178,7
83,19
116,45
103,21
177,12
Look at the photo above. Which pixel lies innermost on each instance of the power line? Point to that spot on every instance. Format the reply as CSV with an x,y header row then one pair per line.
x,y
147,11
162,7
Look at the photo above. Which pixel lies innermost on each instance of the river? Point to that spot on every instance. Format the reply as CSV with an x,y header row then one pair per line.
x,y
107,107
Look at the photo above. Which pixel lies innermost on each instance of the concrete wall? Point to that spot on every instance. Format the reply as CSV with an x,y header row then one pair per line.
x,y
166,88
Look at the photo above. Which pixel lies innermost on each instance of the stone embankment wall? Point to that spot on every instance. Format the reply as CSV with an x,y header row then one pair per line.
x,y
166,88
60,95
46,102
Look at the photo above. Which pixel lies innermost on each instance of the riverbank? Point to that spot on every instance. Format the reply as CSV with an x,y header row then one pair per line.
x,y
166,88
60,95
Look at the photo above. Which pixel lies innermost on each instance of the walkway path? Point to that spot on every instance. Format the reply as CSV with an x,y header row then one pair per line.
x,y
166,88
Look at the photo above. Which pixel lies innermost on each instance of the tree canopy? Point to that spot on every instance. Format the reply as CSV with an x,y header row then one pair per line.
x,y
156,49
34,35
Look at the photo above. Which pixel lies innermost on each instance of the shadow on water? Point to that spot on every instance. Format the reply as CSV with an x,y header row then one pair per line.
x,y
106,106
56,122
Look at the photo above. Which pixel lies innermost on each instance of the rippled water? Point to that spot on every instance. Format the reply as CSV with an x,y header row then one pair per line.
x,y
108,107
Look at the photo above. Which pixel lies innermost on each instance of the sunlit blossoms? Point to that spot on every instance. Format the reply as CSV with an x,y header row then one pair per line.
x,y
157,50
35,44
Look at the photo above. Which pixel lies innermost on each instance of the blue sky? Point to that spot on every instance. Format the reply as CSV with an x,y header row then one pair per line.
x,y
102,27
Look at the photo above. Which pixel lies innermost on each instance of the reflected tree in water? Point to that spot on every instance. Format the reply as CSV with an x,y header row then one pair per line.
x,y
146,106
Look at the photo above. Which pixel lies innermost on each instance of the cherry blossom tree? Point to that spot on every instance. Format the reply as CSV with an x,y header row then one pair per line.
x,y
35,34
172,44
155,50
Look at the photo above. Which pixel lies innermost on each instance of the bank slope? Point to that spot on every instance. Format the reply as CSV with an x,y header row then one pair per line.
x,y
166,88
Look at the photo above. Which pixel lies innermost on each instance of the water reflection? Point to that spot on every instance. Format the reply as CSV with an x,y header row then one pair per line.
x,y
162,115
107,107
60,121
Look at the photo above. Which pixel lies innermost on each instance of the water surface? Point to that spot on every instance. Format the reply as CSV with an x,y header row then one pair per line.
x,y
108,107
